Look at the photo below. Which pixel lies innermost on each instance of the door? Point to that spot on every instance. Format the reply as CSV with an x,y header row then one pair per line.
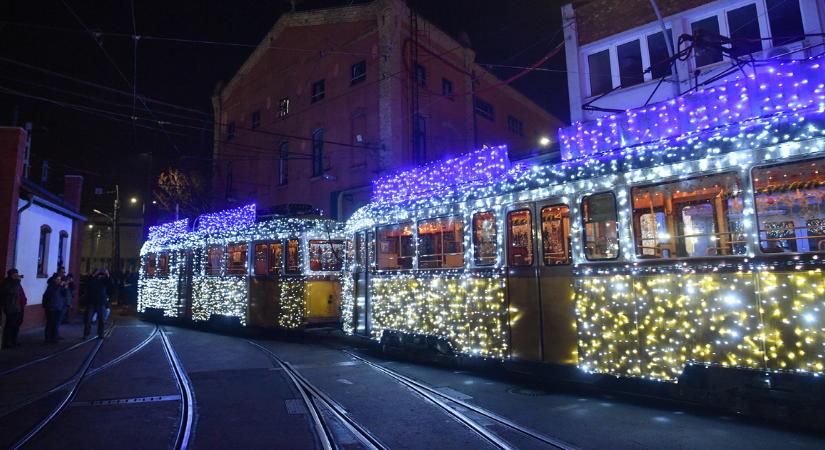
x,y
360,276
263,284
522,286
185,284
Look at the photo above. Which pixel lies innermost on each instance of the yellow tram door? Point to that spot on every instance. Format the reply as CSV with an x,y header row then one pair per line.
x,y
524,311
264,284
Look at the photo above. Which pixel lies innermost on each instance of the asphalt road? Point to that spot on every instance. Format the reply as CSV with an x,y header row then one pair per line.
x,y
154,387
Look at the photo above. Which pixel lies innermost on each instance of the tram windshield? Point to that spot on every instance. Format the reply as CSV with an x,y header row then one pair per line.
x,y
441,243
326,255
395,247
163,265
696,217
601,232
236,259
790,206
555,234
150,263
484,238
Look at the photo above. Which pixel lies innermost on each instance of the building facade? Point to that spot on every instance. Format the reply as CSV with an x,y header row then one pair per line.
x,y
618,56
332,98
44,229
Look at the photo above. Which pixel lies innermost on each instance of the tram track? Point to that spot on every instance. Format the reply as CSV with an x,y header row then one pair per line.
x,y
186,425
317,403
48,356
445,402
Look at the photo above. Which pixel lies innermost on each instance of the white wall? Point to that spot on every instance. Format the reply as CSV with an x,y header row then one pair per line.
x,y
28,242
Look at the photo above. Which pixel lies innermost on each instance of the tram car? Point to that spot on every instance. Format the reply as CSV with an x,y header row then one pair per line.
x,y
234,268
681,242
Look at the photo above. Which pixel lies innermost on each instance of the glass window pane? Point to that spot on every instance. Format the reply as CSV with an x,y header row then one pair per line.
x,y
790,206
484,238
630,63
236,259
260,265
441,243
657,47
601,79
163,265
601,232
151,265
371,249
326,255
214,254
785,20
293,258
276,257
696,217
744,30
555,234
395,247
709,29
520,238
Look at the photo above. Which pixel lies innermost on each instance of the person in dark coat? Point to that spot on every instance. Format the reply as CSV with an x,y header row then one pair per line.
x,y
10,306
57,298
97,297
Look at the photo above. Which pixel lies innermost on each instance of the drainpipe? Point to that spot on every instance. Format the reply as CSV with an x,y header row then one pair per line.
x,y
670,50
17,228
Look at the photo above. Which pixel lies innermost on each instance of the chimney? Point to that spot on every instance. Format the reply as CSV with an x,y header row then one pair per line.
x,y
72,190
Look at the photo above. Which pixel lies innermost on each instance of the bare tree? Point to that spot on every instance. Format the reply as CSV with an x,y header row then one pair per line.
x,y
181,194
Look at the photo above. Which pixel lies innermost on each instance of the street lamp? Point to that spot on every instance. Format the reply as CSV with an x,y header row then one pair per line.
x,y
544,141
133,200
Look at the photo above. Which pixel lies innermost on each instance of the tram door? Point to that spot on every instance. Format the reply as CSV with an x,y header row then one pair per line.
x,y
185,283
522,286
267,263
556,287
361,283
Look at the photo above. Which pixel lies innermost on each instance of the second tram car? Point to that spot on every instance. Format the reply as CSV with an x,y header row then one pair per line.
x,y
274,272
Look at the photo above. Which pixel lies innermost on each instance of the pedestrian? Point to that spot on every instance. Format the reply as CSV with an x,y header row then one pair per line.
x,y
97,297
70,287
56,298
10,305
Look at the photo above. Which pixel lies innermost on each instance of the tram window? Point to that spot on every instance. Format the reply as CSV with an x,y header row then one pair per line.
x,y
276,257
360,251
520,238
790,206
326,255
601,232
236,259
259,266
214,254
555,234
293,257
484,238
163,265
151,266
441,243
395,247
370,249
696,217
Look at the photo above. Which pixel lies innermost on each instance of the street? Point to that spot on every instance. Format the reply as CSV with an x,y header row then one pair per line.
x,y
148,386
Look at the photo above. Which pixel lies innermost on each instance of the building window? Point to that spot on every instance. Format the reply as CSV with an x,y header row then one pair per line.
x,y
484,109
420,139
447,88
61,248
555,235
230,131
601,228
441,243
283,107
318,152
256,119
43,252
358,72
785,20
276,257
659,56
707,30
163,265
421,75
318,90
743,24
484,238
696,217
283,164
630,63
293,257
601,79
520,238
326,255
790,206
214,255
515,126
395,247
236,259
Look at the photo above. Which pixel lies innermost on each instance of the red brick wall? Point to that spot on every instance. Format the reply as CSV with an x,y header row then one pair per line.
x,y
598,19
12,144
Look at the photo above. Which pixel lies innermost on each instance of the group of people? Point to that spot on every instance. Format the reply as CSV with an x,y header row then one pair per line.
x,y
56,302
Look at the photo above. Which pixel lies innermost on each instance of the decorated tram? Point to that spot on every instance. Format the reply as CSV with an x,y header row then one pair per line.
x,y
234,267
680,242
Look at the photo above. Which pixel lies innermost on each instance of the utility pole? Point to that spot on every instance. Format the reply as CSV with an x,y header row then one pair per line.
x,y
116,231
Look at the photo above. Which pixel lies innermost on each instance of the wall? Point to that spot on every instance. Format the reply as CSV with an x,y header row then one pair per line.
x,y
12,143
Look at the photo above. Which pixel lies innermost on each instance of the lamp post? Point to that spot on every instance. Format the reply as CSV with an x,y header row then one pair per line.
x,y
114,219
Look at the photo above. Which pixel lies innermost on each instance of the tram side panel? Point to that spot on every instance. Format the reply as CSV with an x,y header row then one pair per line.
x,y
158,284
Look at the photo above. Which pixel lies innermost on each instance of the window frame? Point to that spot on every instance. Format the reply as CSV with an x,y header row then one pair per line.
x,y
489,115
322,241
43,245
418,222
254,254
317,96
63,237
160,270
151,265
360,77
227,254
281,269
413,236
283,107
568,244
474,242
206,263
508,237
447,88
584,228
285,256
515,125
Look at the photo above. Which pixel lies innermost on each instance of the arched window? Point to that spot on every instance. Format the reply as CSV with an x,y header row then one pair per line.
x,y
61,249
43,252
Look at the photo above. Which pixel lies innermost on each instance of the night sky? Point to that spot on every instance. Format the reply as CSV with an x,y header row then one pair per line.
x,y
92,132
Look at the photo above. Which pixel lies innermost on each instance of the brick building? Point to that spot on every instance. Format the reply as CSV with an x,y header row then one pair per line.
x,y
616,51
333,97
